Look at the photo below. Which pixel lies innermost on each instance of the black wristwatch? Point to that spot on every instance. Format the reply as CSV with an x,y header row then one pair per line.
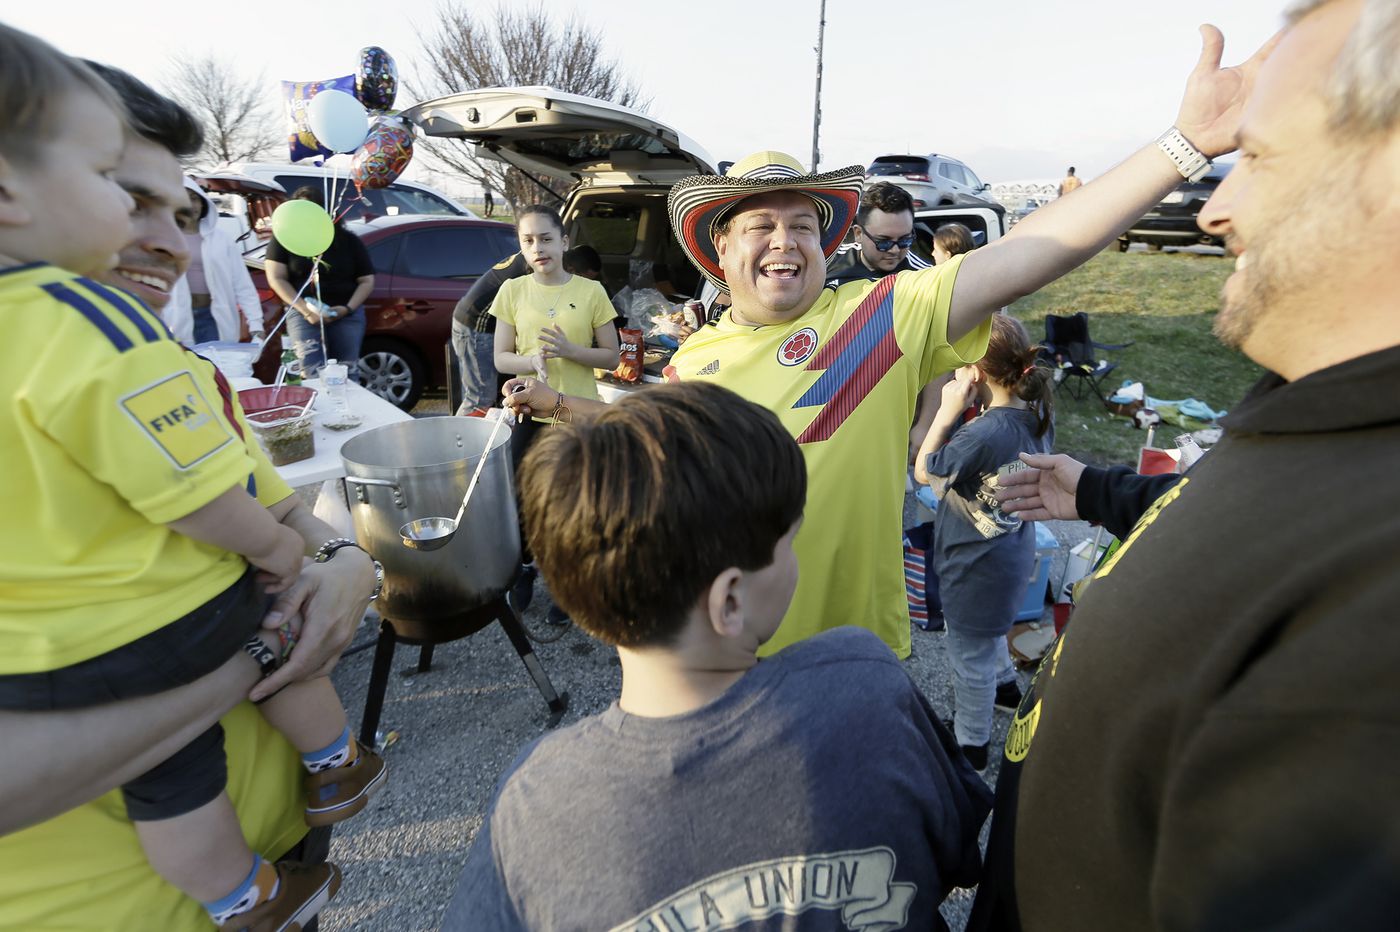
x,y
328,549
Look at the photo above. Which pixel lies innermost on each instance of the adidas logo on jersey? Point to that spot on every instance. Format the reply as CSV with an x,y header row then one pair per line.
x,y
711,369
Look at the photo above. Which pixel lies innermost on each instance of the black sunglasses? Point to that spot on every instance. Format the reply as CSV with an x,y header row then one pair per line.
x,y
904,242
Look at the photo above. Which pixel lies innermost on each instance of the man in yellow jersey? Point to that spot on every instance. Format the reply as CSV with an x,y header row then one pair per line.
x,y
83,868
841,367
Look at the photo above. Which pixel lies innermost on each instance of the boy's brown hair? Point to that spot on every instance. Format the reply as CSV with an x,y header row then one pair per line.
x,y
34,78
632,516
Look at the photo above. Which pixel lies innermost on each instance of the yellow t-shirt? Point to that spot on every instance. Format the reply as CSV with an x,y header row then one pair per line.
x,y
580,306
843,378
90,360
110,429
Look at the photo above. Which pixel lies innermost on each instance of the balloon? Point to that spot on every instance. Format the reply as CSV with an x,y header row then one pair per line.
x,y
383,157
377,80
301,140
338,120
303,228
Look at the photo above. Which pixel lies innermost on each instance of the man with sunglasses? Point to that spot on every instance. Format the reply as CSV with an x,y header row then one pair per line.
x,y
884,231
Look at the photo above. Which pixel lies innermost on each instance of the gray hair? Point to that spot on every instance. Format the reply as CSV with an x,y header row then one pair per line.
x,y
1363,91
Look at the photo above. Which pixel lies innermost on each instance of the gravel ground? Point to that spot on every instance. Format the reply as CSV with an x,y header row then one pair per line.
x,y
461,724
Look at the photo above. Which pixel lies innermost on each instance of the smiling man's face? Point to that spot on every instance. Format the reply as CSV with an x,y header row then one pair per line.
x,y
157,254
772,257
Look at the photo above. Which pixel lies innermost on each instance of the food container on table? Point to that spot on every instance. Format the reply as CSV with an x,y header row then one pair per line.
x,y
234,360
284,434
267,397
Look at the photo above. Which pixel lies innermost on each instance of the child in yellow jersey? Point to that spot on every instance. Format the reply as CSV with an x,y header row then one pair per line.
x,y
130,465
556,326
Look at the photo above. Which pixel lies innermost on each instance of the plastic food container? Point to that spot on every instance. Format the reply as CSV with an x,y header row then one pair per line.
x,y
266,397
284,434
235,360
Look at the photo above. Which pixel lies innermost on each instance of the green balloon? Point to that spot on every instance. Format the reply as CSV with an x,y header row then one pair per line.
x,y
303,228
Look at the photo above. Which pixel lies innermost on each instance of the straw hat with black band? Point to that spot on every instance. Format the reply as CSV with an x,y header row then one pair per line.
x,y
698,203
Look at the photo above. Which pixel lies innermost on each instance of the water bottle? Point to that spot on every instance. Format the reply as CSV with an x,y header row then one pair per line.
x,y
333,377
290,363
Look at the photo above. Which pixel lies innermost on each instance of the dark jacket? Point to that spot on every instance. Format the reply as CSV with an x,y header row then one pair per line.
x,y
1212,744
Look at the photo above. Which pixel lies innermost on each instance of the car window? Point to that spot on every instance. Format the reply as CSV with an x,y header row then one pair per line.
x,y
610,228
372,202
950,171
383,253
451,252
898,165
972,180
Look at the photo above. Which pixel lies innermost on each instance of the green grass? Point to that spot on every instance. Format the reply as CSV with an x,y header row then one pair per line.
x,y
1166,302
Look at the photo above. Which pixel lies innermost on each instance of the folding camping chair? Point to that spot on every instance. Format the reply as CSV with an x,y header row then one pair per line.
x,y
1069,349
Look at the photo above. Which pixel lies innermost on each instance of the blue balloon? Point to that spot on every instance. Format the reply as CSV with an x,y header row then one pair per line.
x,y
338,120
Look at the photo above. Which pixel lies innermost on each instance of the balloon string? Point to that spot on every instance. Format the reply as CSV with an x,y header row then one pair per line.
x,y
287,313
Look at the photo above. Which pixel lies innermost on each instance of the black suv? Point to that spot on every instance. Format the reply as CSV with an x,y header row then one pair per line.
x,y
1173,221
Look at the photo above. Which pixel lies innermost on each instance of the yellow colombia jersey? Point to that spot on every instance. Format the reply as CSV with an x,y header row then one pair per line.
x,y
89,369
580,306
844,378
110,430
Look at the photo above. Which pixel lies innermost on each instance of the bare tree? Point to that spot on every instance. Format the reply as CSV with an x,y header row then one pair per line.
x,y
233,110
465,52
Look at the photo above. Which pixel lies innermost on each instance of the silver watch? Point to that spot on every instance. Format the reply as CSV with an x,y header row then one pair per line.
x,y
328,549
1189,160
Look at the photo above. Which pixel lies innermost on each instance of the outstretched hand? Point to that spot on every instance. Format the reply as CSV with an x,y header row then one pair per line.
x,y
1215,97
1044,491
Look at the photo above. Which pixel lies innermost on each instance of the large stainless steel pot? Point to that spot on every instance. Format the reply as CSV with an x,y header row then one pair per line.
x,y
419,469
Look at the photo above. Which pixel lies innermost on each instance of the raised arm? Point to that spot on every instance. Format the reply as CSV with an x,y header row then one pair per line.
x,y
1070,230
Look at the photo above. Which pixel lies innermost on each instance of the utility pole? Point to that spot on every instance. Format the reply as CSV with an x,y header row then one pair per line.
x,y
817,106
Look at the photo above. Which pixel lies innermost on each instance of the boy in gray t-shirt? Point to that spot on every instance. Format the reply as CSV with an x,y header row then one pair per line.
x,y
815,789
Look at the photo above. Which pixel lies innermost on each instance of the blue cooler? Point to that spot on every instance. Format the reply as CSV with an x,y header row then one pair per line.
x,y
1033,605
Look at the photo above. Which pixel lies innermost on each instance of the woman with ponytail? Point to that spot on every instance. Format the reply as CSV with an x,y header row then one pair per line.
x,y
983,556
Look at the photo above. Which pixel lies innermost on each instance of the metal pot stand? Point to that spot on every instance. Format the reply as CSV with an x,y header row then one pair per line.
x,y
443,631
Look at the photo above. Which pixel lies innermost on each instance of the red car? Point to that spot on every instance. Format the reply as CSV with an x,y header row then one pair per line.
x,y
422,265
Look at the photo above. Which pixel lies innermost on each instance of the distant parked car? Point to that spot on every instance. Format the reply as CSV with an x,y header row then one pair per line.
x,y
1173,221
422,266
932,180
249,192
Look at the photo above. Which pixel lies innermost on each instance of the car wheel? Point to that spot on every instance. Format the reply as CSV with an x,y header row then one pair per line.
x,y
392,371
1123,245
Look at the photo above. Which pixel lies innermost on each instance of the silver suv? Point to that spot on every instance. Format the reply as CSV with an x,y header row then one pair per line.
x,y
932,180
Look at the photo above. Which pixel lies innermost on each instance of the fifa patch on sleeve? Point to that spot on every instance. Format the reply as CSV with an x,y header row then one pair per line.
x,y
178,419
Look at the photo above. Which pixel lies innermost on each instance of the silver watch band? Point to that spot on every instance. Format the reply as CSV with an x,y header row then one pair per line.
x,y
1189,160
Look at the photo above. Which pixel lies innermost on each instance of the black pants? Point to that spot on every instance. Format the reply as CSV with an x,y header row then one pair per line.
x,y
179,653
521,436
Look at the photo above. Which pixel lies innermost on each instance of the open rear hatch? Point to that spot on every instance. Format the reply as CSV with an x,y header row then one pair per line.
x,y
544,131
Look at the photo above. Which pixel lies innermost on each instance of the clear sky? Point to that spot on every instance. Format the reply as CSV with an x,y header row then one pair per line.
x,y
1016,88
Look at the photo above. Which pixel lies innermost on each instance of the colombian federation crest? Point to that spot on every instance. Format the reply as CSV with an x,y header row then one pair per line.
x,y
798,348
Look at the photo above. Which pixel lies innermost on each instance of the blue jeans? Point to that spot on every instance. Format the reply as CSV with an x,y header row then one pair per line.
x,y
476,354
206,330
980,664
343,338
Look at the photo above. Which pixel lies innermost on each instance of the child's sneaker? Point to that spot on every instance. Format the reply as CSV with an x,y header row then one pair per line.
x,y
302,890
1008,697
976,755
337,794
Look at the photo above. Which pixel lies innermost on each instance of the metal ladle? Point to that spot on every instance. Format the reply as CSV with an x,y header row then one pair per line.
x,y
433,533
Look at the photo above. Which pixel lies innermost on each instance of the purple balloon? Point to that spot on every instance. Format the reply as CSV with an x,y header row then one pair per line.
x,y
377,79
